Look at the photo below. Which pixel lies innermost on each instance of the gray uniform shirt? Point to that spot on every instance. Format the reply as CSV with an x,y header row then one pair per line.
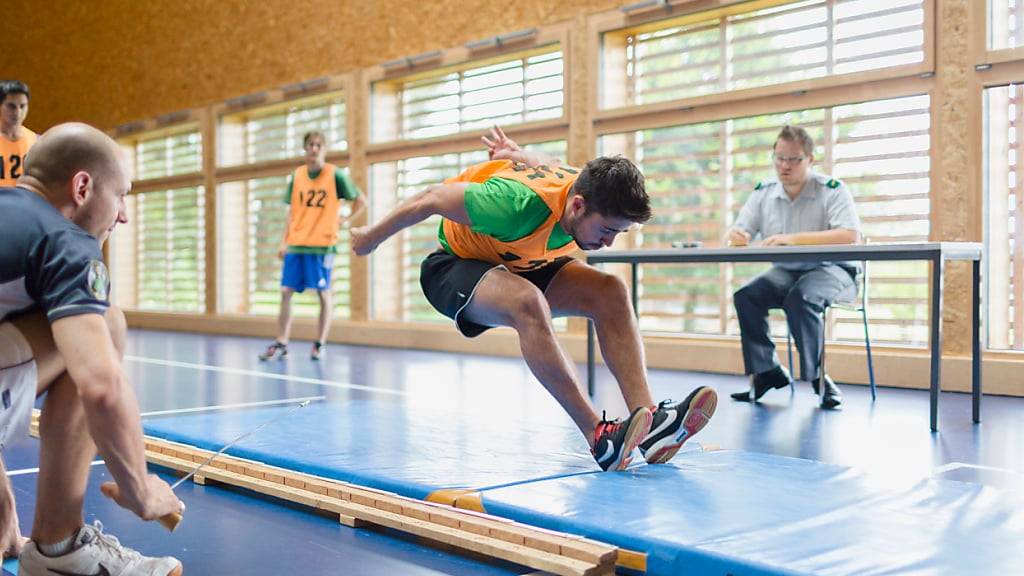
x,y
824,203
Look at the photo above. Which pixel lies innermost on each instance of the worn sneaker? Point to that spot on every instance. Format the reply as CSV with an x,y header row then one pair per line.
x,y
276,350
615,440
316,351
674,424
95,554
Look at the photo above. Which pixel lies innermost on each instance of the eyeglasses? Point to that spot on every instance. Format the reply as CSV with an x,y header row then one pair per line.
x,y
787,159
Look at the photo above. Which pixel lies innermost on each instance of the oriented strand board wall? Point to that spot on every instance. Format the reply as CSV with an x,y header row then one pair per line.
x,y
117,61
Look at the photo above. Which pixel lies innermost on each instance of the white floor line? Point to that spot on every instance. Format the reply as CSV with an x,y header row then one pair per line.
x,y
24,471
958,465
232,406
271,375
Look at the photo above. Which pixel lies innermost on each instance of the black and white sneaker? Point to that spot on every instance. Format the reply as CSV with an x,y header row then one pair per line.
x,y
316,351
674,424
277,350
615,440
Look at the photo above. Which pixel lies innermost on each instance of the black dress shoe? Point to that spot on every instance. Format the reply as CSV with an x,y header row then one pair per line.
x,y
832,398
777,377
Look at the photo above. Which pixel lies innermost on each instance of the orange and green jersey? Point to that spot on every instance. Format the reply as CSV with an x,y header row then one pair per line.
x,y
515,212
12,156
315,198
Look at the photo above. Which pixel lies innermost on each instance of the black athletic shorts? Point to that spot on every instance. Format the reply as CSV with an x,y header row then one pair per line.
x,y
449,283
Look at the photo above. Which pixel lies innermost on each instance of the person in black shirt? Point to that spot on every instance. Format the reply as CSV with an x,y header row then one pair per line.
x,y
60,335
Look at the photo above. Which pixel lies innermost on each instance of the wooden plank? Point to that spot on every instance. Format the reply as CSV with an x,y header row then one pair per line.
x,y
314,492
476,543
351,521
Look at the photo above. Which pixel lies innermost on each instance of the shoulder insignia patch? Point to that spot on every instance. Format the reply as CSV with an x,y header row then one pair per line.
x,y
97,280
833,183
759,186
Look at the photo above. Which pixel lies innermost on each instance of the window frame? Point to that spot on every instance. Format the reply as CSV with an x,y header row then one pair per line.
x,y
617,24
381,81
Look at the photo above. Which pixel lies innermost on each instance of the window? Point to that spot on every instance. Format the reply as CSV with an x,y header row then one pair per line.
x,y
275,132
252,216
163,155
159,256
699,175
1005,24
1004,226
396,263
718,52
158,259
511,90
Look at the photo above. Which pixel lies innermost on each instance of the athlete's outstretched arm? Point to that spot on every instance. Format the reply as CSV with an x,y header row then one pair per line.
x,y
448,200
501,147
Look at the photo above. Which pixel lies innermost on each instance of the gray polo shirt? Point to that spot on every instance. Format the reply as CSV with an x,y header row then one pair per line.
x,y
824,203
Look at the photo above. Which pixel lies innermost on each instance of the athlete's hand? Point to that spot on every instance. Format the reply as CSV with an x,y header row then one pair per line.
x,y
281,251
499,146
11,540
158,500
362,243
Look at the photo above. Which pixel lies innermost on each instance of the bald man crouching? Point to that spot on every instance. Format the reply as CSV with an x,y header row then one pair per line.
x,y
60,335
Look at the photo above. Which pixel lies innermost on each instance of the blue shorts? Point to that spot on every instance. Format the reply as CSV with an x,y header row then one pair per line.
x,y
303,271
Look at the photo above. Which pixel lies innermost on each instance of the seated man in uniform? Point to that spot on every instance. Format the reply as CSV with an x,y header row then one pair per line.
x,y
60,335
508,228
800,207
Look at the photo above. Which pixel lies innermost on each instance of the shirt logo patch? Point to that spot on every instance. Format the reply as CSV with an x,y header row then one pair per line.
x,y
98,280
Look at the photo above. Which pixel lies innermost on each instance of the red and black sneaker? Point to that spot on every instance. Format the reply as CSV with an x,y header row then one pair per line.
x,y
277,350
674,424
615,440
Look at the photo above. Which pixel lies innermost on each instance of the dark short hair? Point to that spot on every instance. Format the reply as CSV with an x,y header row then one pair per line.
x,y
313,134
613,186
798,135
13,87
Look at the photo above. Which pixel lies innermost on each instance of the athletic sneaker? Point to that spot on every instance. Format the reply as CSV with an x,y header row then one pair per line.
x,y
674,424
95,554
615,440
277,350
316,350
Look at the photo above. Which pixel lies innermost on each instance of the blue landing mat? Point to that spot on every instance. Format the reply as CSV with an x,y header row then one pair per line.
x,y
726,512
392,447
746,513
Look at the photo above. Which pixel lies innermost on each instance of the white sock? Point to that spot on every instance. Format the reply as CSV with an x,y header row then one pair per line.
x,y
59,548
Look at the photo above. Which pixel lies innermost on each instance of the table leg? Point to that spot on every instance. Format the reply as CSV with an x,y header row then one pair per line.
x,y
976,342
938,266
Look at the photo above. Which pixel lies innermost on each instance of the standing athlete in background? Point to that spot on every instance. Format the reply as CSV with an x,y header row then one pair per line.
x,y
315,192
15,139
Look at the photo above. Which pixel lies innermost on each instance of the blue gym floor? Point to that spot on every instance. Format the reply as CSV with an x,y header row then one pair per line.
x,y
888,440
